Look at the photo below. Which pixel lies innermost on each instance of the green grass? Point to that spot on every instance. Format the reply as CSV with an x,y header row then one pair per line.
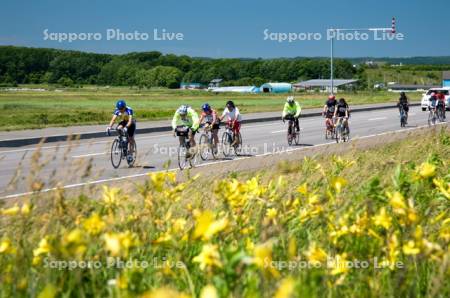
x,y
92,105
286,215
400,76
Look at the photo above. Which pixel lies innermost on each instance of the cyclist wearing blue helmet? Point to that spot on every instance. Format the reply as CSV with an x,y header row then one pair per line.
x,y
127,123
209,116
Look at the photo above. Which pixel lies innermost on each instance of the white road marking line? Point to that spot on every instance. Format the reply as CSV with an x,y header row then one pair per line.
x,y
202,165
90,154
377,119
284,130
84,144
83,184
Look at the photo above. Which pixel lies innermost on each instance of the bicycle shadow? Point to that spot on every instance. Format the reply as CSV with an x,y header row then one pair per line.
x,y
302,145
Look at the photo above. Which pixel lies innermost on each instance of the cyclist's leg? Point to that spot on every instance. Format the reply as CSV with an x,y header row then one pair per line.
x,y
297,125
215,136
236,129
131,140
192,137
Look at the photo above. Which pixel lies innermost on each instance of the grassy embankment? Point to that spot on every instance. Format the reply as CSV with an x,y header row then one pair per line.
x,y
372,223
90,105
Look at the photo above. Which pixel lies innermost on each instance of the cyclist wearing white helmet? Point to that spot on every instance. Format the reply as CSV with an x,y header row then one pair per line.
x,y
186,117
292,110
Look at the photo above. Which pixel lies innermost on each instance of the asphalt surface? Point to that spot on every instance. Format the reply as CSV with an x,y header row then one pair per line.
x,y
87,162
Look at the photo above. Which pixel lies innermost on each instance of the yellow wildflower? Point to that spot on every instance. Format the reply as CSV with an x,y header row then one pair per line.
x,y
271,215
206,227
410,248
118,244
209,291
382,219
440,184
6,247
209,257
338,183
43,247
164,293
427,170
26,209
397,201
94,224
338,264
262,258
286,288
11,211
111,195
315,254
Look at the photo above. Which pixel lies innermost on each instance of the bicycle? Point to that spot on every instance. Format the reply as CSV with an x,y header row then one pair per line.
x,y
292,133
440,112
206,144
228,139
403,116
342,134
330,130
432,116
185,158
120,150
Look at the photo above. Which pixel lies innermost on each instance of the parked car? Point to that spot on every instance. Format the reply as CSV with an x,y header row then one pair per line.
x,y
426,97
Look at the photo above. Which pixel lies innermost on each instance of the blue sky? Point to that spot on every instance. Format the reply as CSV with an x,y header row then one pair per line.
x,y
231,28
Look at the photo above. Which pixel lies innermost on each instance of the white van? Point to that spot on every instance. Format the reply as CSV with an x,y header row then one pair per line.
x,y
426,97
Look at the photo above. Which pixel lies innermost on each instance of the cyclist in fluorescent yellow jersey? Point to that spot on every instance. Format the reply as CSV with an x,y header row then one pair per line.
x,y
292,109
186,117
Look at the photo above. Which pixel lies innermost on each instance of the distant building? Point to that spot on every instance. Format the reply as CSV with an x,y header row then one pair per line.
x,y
215,83
325,85
276,88
190,86
446,79
238,89
409,88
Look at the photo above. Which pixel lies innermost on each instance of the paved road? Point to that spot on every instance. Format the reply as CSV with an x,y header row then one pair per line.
x,y
87,162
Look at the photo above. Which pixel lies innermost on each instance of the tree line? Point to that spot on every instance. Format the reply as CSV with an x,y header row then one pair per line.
x,y
20,65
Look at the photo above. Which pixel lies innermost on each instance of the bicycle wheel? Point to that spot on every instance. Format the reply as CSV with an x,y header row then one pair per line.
x,y
237,147
182,160
431,118
297,137
289,135
440,114
204,147
132,160
116,153
226,144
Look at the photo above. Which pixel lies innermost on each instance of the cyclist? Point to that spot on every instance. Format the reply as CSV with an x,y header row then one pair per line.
x,y
209,116
328,111
292,109
186,116
432,102
341,113
404,102
234,118
127,123
441,102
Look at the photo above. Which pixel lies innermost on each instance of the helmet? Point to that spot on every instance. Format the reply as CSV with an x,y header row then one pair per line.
x,y
331,97
121,104
433,94
290,99
230,103
206,107
182,110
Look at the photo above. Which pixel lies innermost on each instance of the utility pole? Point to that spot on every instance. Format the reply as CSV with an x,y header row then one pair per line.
x,y
392,29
